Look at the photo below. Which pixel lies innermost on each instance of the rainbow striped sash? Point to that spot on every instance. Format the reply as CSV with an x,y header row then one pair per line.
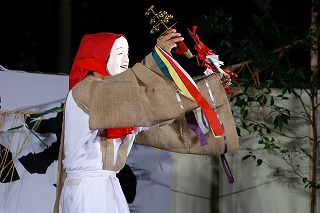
x,y
171,68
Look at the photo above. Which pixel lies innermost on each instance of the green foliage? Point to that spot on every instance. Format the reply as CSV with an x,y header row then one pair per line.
x,y
310,184
254,157
271,44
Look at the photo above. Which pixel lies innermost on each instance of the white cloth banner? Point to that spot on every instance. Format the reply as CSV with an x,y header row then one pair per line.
x,y
31,189
23,191
22,92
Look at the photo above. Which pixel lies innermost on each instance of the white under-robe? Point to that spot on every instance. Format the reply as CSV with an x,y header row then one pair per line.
x,y
88,188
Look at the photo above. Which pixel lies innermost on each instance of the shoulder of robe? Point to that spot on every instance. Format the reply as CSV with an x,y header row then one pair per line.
x,y
81,92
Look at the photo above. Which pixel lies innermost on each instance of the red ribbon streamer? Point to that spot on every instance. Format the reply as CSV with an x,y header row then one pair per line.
x,y
202,102
203,52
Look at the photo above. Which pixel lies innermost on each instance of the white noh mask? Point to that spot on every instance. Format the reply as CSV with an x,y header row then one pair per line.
x,y
119,56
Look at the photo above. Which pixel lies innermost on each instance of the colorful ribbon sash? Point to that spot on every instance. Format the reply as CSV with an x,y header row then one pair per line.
x,y
170,67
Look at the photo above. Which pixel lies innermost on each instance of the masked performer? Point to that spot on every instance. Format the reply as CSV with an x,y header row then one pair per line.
x,y
110,105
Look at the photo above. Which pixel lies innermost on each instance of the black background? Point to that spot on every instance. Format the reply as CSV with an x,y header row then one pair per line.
x,y
30,29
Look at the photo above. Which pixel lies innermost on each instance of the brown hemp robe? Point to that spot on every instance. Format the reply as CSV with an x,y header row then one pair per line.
x,y
142,97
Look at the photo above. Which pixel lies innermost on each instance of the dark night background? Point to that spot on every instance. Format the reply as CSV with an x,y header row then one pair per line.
x,y
43,36
34,40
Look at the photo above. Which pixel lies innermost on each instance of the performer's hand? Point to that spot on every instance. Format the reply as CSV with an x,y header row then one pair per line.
x,y
168,40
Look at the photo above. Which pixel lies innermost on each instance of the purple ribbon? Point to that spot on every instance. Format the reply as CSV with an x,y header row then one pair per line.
x,y
193,124
204,120
226,166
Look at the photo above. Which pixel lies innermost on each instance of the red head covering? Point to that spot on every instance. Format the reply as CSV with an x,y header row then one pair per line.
x,y
92,56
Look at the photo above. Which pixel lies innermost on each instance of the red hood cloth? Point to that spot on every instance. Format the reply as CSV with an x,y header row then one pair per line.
x,y
92,56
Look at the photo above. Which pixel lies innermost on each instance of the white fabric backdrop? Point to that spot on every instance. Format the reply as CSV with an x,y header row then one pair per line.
x,y
167,182
37,92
